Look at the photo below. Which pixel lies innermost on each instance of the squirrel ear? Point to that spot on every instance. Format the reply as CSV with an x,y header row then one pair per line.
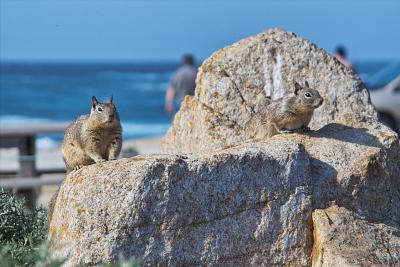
x,y
306,84
297,88
111,99
94,101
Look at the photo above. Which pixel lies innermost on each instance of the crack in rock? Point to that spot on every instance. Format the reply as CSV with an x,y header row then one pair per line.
x,y
222,116
248,106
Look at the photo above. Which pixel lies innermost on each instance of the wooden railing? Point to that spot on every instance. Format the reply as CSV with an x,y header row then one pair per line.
x,y
23,137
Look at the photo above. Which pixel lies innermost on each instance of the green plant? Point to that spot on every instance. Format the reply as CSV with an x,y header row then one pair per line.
x,y
22,236
21,232
18,225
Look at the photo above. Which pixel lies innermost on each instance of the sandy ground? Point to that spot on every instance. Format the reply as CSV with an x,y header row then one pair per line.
x,y
144,146
51,158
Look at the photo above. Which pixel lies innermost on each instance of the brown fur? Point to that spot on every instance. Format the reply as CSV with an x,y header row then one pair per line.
x,y
290,113
93,138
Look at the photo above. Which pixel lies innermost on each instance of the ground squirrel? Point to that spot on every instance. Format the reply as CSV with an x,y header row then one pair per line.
x,y
291,112
94,137
91,138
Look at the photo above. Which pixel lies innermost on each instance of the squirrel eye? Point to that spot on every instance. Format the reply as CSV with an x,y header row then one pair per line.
x,y
308,95
99,109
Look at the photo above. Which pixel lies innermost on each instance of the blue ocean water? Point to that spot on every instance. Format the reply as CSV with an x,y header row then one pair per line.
x,y
38,92
376,74
46,92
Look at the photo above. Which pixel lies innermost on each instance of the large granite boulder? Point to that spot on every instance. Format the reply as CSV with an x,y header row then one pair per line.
x,y
291,200
356,168
245,205
234,86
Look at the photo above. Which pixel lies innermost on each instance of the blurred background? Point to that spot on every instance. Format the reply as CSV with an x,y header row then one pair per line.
x,y
54,55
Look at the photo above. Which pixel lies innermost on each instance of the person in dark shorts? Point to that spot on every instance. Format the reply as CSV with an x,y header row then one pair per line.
x,y
182,83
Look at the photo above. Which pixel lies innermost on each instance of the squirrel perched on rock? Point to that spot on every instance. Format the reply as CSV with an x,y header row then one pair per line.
x,y
290,113
91,138
94,137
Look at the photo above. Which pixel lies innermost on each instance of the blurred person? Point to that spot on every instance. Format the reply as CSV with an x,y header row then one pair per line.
x,y
182,83
341,55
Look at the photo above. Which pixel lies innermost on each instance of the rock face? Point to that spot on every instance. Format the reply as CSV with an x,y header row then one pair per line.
x,y
330,197
343,239
233,84
356,168
246,205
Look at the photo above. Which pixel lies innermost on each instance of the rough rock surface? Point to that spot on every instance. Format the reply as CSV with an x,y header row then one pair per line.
x,y
341,238
242,206
247,205
250,204
357,168
233,84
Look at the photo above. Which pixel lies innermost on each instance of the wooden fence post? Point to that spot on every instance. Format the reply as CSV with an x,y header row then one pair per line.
x,y
27,168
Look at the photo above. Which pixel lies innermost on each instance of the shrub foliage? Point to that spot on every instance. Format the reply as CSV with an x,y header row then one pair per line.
x,y
21,231
22,236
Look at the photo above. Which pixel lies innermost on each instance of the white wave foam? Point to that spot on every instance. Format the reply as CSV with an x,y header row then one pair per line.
x,y
130,129
144,129
46,143
17,119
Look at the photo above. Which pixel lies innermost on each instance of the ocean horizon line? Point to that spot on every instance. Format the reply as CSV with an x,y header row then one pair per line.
x,y
93,62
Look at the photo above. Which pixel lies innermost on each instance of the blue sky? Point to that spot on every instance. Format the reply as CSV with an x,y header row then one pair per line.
x,y
163,30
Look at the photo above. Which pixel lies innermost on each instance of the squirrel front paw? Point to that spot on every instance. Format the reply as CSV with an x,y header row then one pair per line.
x,y
286,131
100,160
112,158
77,167
302,130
